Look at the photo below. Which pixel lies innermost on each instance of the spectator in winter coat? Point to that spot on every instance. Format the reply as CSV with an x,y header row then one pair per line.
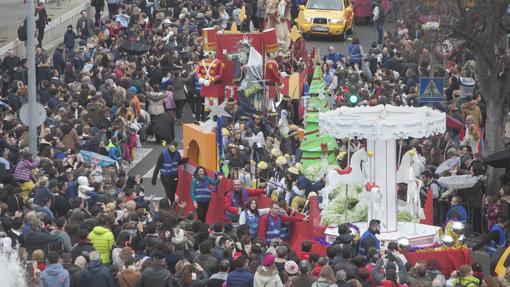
x,y
69,41
61,237
41,22
73,269
83,247
58,60
470,108
37,238
96,274
240,277
102,237
84,26
157,275
205,259
54,275
267,274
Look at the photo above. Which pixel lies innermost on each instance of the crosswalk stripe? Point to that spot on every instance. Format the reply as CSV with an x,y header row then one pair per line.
x,y
140,154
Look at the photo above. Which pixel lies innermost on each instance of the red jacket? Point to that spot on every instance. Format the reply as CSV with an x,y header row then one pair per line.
x,y
263,223
243,201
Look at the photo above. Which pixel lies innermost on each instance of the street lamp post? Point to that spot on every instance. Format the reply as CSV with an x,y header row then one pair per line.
x,y
32,127
432,28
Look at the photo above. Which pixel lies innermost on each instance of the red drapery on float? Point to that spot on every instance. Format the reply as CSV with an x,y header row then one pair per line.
x,y
299,231
449,260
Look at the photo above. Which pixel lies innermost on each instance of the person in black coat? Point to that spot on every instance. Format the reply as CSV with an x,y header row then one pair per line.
x,y
41,22
69,41
83,247
95,274
59,62
99,5
37,238
61,205
15,233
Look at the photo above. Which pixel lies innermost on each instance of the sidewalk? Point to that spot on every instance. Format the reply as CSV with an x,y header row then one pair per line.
x,y
13,12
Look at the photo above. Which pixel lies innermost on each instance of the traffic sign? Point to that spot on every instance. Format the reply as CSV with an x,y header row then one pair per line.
x,y
431,90
39,112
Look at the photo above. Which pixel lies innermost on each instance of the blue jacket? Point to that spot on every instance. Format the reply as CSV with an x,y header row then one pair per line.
x,y
55,276
240,278
457,212
367,240
494,245
354,53
42,195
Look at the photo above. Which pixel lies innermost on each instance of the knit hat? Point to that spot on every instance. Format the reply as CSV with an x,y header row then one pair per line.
x,y
268,260
291,267
281,160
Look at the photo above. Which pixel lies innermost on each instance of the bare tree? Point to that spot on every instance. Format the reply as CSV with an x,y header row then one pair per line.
x,y
483,24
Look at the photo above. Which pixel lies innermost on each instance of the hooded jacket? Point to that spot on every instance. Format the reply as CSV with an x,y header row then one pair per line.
x,y
156,100
102,239
55,276
471,109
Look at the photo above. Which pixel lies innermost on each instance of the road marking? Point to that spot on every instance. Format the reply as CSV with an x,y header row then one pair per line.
x,y
140,154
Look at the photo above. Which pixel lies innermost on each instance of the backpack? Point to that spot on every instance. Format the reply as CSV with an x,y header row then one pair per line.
x,y
22,33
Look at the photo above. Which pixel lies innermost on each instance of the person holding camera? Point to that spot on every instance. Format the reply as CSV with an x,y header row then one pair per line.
x,y
390,269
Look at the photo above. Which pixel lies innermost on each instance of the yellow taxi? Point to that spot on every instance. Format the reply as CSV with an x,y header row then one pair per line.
x,y
327,17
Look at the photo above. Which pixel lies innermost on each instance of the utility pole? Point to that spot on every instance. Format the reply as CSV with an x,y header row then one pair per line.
x,y
32,100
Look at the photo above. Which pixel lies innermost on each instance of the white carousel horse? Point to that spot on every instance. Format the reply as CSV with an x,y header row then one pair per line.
x,y
283,124
405,174
357,172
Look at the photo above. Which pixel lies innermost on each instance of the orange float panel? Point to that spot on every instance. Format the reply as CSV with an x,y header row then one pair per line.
x,y
200,147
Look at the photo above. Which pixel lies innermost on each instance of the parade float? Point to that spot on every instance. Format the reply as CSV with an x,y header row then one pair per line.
x,y
382,126
317,148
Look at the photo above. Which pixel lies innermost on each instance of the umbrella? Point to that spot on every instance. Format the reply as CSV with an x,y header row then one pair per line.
x,y
453,123
448,164
458,181
500,159
135,46
97,159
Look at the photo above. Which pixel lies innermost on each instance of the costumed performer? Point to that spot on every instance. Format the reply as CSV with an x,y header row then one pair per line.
x,y
201,191
270,225
237,198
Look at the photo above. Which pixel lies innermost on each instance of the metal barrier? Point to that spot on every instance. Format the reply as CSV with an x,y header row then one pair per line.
x,y
54,32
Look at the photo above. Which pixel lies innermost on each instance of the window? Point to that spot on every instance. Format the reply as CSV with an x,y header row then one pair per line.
x,y
337,5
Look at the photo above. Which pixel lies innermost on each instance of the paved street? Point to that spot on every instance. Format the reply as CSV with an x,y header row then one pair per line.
x,y
366,35
13,12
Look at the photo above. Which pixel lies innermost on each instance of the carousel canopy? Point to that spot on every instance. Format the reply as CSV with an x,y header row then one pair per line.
x,y
382,122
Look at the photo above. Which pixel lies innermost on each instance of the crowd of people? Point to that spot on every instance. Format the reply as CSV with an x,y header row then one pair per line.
x,y
117,81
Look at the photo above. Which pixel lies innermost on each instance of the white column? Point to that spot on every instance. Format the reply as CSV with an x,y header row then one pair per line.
x,y
382,172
